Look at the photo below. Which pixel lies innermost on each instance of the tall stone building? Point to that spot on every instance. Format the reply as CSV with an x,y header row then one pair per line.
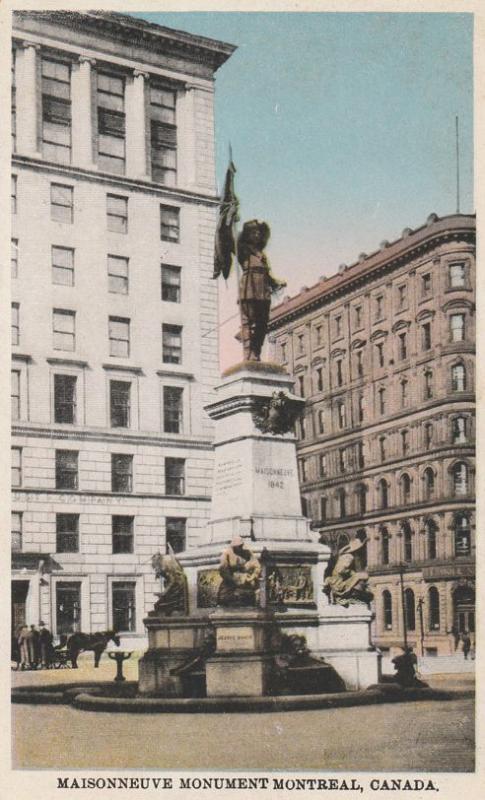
x,y
114,314
383,352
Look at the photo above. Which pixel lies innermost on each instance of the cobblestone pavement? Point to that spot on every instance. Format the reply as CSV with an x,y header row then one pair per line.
x,y
424,736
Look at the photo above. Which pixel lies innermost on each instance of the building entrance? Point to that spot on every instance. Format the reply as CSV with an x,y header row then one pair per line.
x,y
464,609
19,604
68,607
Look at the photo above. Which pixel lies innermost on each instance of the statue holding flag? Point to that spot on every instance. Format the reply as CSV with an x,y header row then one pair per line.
x,y
257,283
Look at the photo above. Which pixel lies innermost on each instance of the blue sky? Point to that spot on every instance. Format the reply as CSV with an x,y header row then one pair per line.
x,y
342,126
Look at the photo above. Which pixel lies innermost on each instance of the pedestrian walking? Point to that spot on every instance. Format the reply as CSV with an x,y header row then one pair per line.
x,y
46,648
25,646
467,643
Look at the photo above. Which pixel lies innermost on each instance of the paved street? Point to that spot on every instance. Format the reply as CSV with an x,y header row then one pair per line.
x,y
430,736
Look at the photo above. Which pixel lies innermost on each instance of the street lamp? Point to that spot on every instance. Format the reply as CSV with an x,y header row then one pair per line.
x,y
404,621
419,606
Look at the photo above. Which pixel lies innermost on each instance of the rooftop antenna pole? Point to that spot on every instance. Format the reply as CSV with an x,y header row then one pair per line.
x,y
457,166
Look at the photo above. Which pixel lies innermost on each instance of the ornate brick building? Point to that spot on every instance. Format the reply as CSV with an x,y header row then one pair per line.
x,y
383,352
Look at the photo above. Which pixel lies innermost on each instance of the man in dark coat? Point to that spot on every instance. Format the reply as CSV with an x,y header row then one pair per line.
x,y
46,639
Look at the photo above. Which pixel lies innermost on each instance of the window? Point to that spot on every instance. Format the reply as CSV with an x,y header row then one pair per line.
x,y
283,352
379,306
68,607
404,442
121,472
67,533
460,478
360,455
458,378
117,213
13,103
322,460
338,326
15,394
362,498
426,336
14,258
172,344
341,503
302,427
63,327
383,493
408,543
360,363
358,316
380,354
382,448
111,123
457,327
16,525
301,385
426,284
428,385
124,608
403,347
318,335
172,409
171,284
319,379
62,203
303,473
63,266
56,111
428,480
16,466
175,534
428,435
405,489
301,344
402,296
385,546
118,274
120,404
175,476
387,609
65,399
409,608
119,337
321,421
457,274
404,393
462,535
323,508
66,469
382,401
361,407
430,529
15,329
458,430
434,608
341,415
122,534
13,195
163,132
304,506
340,377
169,224
342,460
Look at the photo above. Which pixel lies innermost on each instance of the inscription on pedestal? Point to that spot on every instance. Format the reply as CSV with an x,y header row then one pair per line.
x,y
275,478
235,639
228,475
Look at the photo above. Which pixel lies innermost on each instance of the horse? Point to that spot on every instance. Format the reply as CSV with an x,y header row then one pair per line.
x,y
96,642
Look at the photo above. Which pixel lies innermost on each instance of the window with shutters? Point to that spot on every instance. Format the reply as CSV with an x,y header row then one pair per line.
x,y
118,275
171,283
56,111
63,327
62,203
117,213
65,399
63,266
163,135
111,122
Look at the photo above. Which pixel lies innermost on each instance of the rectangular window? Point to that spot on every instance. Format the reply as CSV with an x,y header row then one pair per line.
x,y
382,401
67,469
426,284
360,363
428,385
172,409
13,195
67,533
457,326
361,407
403,346
402,296
175,476
340,377
321,421
15,323
63,327
358,316
283,352
62,203
16,525
338,326
63,266
13,103
301,385
65,399
404,393
68,607
428,434
318,335
169,224
121,473
319,379
118,275
119,337
426,336
301,344
122,534
124,608
163,134
171,344
171,283
175,533
404,442
56,111
111,123
379,306
14,258
380,354
341,415
323,465
382,448
16,466
342,459
457,276
323,508
459,430
360,455
15,393
117,213
119,404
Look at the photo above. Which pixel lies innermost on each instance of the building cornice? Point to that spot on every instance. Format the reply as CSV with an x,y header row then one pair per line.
x,y
116,496
134,438
394,514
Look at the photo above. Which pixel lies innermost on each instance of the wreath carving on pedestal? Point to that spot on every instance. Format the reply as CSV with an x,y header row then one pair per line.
x,y
276,414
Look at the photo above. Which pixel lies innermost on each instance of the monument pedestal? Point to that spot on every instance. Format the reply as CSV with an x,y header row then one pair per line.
x,y
172,641
241,664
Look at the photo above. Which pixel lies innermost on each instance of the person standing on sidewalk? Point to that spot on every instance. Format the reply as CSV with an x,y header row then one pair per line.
x,y
45,638
467,643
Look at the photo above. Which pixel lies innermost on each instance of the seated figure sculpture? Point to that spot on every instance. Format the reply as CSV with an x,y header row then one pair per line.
x,y
173,599
346,584
240,571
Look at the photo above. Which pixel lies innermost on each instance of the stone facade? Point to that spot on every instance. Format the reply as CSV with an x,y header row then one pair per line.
x,y
383,352
114,313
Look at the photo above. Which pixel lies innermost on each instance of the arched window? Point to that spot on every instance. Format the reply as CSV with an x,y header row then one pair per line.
x,y
462,535
434,608
410,610
405,489
387,609
431,530
408,542
341,502
428,480
385,546
382,401
458,378
458,430
362,498
460,478
383,493
341,415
